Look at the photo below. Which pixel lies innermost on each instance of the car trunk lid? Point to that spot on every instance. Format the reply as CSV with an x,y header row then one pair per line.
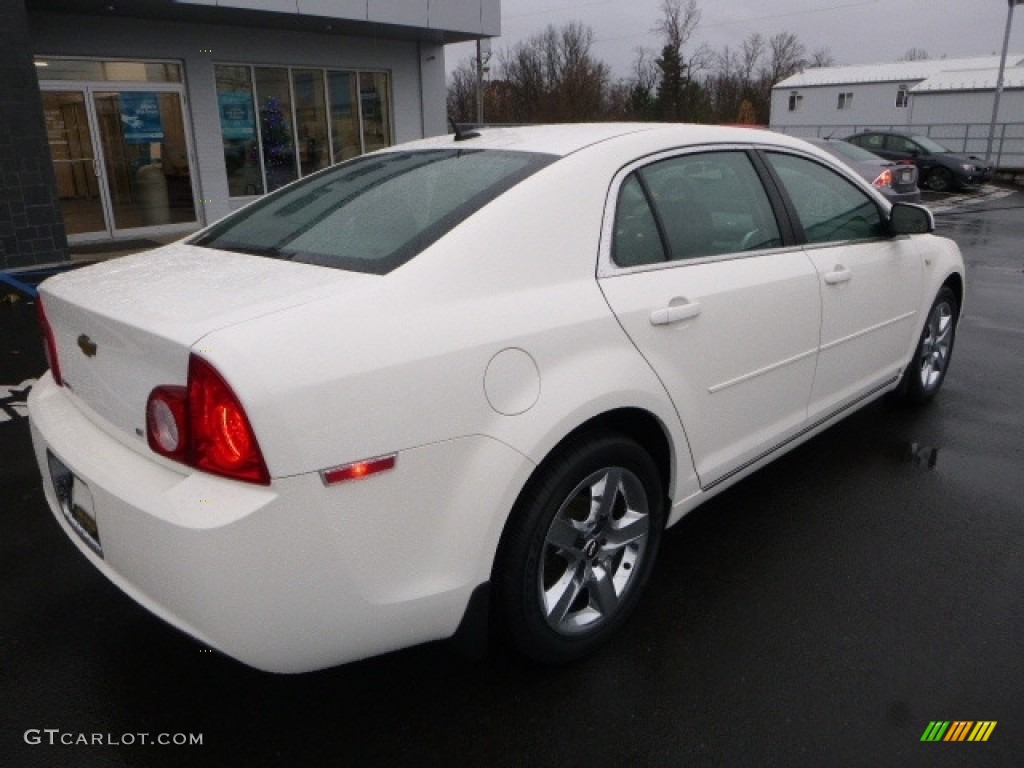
x,y
126,326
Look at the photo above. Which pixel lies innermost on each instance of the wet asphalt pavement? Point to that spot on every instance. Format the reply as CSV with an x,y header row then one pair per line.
x,y
821,613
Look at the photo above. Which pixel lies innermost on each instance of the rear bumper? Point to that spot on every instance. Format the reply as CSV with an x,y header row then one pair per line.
x,y
913,196
296,576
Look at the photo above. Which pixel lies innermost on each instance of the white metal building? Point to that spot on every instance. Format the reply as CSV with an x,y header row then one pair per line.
x,y
161,116
948,99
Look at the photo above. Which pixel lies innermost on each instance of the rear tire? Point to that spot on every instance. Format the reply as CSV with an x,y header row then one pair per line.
x,y
927,370
579,548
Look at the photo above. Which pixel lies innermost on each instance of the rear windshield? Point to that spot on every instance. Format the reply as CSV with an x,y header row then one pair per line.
x,y
849,151
374,213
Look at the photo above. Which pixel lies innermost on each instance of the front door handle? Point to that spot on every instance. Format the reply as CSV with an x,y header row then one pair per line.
x,y
838,276
675,313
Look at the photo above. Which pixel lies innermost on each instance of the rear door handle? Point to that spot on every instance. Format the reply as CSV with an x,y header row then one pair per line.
x,y
838,276
675,313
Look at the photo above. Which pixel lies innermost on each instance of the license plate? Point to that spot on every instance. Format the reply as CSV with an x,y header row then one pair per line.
x,y
76,503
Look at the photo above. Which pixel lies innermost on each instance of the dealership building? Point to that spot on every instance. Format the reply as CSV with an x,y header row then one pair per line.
x,y
130,120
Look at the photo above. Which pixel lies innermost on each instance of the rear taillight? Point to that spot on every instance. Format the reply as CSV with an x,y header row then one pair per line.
x,y
49,343
205,426
884,179
167,422
221,437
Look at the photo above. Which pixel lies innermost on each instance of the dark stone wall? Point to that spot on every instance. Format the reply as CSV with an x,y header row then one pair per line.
x,y
31,225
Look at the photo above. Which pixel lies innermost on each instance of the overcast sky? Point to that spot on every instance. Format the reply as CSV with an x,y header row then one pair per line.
x,y
856,31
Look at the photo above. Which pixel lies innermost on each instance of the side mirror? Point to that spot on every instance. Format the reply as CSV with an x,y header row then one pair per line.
x,y
907,219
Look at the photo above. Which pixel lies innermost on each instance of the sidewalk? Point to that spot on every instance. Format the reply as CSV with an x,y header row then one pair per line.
x,y
22,282
112,249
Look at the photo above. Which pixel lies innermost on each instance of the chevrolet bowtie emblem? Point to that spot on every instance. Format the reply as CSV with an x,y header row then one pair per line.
x,y
87,345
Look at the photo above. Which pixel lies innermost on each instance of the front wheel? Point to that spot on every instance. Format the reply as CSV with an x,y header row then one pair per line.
x,y
927,370
579,548
939,180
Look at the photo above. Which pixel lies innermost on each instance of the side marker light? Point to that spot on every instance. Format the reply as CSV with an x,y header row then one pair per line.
x,y
358,470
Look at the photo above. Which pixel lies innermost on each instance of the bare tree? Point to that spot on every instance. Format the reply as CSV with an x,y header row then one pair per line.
x,y
724,86
679,91
642,85
785,57
553,77
915,54
645,68
679,20
821,57
753,50
461,99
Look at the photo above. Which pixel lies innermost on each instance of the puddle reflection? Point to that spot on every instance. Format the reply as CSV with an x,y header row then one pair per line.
x,y
922,455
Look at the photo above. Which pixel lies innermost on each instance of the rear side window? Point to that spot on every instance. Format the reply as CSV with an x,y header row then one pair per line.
x,y
374,213
636,240
830,208
692,206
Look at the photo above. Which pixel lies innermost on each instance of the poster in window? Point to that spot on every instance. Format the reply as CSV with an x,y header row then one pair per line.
x,y
140,117
236,116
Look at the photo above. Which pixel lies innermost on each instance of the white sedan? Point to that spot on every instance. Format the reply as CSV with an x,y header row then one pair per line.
x,y
465,383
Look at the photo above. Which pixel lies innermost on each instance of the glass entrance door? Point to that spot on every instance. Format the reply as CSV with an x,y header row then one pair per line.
x,y
74,162
121,160
145,158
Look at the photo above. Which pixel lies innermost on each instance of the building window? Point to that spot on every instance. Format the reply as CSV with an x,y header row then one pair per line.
x,y
376,106
346,142
238,131
120,70
902,97
795,100
845,101
281,123
311,120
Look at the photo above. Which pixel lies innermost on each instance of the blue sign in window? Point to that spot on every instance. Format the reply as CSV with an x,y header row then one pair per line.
x,y
140,117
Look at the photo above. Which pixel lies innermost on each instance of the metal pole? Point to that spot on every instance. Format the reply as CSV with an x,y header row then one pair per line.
x,y
999,83
480,82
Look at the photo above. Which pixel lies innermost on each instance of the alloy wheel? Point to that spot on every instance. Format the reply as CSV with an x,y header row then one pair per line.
x,y
592,551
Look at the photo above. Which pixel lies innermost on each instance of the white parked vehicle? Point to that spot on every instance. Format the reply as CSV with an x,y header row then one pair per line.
x,y
462,383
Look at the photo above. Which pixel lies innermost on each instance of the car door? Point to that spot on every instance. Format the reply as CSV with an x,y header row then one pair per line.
x,y
899,149
693,266
870,283
876,143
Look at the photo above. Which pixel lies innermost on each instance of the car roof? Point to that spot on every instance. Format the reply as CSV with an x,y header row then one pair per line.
x,y
567,138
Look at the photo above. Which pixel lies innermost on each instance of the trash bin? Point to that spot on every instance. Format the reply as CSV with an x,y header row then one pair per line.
x,y
151,188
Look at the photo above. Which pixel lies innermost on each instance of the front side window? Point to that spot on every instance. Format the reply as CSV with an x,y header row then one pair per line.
x,y
870,141
900,144
928,145
693,206
375,213
830,207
